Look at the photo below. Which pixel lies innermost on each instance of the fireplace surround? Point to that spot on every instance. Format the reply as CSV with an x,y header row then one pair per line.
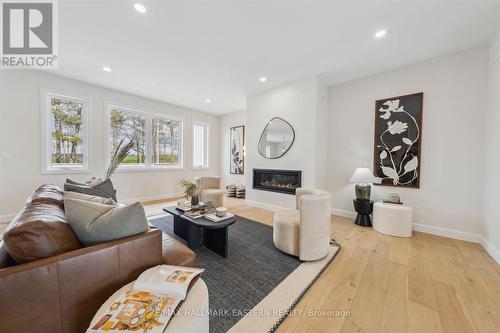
x,y
281,181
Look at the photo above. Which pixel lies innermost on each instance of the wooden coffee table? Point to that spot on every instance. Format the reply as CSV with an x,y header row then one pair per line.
x,y
201,232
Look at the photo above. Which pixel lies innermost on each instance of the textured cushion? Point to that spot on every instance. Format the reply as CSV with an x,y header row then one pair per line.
x,y
87,197
286,231
48,193
40,230
103,189
95,223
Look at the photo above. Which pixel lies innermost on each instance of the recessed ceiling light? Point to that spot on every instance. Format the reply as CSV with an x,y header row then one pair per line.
x,y
208,100
380,33
140,8
263,79
106,69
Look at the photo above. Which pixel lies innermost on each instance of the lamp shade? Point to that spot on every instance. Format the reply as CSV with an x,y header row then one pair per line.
x,y
363,175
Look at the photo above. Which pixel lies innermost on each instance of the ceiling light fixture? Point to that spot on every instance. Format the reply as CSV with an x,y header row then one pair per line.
x,y
380,33
140,8
208,100
263,79
106,69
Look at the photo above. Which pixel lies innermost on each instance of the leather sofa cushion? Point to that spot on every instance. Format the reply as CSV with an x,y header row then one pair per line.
x,y
176,253
48,193
5,258
40,230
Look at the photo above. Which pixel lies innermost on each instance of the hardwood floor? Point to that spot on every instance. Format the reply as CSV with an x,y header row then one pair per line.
x,y
387,284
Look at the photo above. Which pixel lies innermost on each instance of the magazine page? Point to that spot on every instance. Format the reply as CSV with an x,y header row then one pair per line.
x,y
137,311
170,280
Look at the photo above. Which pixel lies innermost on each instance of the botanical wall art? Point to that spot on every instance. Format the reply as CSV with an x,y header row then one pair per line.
x,y
237,143
398,134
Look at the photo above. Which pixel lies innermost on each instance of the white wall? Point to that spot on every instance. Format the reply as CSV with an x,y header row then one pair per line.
x,y
20,139
227,121
452,144
296,102
491,213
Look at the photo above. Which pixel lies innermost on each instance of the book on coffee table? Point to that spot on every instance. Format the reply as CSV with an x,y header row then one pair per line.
x,y
157,293
214,218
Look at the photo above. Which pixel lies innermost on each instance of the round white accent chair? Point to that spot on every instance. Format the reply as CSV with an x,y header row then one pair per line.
x,y
304,231
392,219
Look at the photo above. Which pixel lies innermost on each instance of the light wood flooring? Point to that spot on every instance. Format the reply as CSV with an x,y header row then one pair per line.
x,y
424,283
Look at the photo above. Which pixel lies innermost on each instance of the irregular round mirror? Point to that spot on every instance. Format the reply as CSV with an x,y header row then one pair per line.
x,y
276,138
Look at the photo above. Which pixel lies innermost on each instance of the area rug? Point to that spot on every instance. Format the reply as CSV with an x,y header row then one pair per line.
x,y
253,276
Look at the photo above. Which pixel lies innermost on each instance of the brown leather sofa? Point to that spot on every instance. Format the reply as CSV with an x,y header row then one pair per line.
x,y
60,293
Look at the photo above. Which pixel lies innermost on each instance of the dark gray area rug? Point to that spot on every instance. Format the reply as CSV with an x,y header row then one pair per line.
x,y
252,269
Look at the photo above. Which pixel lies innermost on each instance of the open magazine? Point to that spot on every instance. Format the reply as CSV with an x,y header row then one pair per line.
x,y
148,307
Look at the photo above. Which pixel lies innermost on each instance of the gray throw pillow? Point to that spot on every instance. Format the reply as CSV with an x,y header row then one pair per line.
x,y
103,189
95,223
87,197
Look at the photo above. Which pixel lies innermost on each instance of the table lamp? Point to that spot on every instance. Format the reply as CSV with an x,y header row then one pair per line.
x,y
363,177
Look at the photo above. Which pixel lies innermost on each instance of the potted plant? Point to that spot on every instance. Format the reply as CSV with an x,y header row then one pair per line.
x,y
190,191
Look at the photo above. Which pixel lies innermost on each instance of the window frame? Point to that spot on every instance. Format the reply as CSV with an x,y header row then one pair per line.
x,y
207,145
47,167
148,164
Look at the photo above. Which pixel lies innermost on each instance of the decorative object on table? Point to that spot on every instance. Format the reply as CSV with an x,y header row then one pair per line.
x,y
94,186
240,192
190,191
364,209
393,198
304,231
215,218
121,151
237,153
220,211
363,178
231,190
276,138
398,136
394,220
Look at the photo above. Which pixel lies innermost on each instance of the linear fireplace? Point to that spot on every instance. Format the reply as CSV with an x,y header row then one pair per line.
x,y
283,181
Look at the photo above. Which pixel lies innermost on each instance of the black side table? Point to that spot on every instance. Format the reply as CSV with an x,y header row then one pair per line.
x,y
364,209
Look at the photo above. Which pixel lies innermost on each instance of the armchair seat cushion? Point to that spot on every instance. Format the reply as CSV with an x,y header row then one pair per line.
x,y
286,231
213,195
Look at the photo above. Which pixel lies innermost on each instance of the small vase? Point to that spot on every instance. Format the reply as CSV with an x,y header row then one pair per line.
x,y
195,200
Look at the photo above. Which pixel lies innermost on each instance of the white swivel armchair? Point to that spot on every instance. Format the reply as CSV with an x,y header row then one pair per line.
x,y
305,231
210,190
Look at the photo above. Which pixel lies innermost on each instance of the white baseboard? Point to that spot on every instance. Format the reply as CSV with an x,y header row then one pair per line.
x,y
152,198
445,232
492,251
429,229
344,213
262,205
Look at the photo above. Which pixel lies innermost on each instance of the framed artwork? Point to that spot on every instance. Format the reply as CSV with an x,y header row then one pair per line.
x,y
236,144
398,137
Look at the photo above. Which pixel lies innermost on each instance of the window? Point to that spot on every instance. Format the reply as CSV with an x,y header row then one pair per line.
x,y
64,134
166,143
127,126
157,139
200,145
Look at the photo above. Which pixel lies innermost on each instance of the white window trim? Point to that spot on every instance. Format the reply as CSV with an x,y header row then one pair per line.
x,y
46,129
148,165
207,166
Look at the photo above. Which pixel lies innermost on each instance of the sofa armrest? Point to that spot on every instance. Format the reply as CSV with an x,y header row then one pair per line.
x,y
69,288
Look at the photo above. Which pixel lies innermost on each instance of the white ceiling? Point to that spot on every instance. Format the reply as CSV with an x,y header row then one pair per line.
x,y
184,52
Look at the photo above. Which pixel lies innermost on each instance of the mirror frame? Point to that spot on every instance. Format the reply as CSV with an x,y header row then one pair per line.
x,y
291,143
